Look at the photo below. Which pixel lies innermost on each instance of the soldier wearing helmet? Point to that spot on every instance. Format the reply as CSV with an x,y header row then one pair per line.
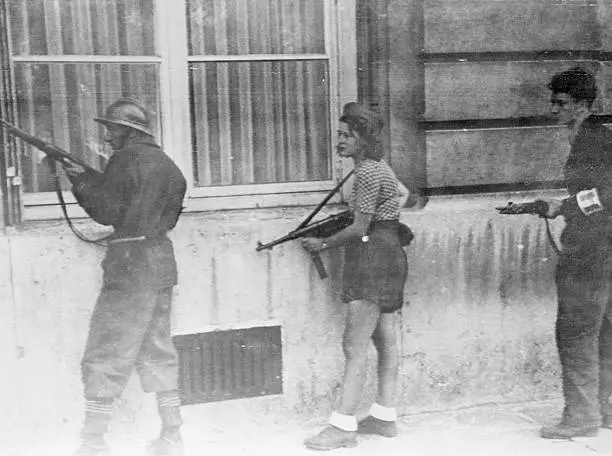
x,y
125,117
140,194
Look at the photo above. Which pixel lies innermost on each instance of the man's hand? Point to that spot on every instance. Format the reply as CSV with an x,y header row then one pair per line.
x,y
72,169
554,207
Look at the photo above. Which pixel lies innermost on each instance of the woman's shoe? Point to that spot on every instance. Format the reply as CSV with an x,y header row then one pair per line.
x,y
371,425
331,438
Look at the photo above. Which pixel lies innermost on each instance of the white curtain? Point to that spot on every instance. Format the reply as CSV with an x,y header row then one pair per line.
x,y
58,101
259,121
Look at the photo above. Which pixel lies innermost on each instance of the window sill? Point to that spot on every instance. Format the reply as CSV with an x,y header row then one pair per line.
x,y
48,210
484,201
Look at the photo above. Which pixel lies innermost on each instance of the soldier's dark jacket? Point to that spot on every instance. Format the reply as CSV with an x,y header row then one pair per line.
x,y
589,165
139,194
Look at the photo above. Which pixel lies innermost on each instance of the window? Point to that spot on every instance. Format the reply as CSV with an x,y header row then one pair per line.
x,y
70,61
260,101
240,91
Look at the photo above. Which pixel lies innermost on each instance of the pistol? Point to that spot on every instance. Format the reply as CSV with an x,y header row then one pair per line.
x,y
537,207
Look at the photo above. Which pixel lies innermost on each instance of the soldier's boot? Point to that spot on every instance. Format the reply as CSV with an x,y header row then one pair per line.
x,y
163,446
566,431
93,445
169,442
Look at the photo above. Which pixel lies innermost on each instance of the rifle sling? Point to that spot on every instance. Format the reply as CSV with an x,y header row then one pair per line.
x,y
60,197
325,200
551,239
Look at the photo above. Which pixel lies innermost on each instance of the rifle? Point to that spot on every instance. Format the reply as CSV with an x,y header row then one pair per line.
x,y
323,228
63,157
51,150
537,207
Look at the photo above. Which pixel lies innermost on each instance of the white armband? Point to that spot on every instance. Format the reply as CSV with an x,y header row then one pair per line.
x,y
588,201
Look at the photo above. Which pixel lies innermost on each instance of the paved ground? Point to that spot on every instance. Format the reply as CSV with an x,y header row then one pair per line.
x,y
487,430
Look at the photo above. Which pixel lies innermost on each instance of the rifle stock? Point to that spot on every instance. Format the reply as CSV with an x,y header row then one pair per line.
x,y
51,150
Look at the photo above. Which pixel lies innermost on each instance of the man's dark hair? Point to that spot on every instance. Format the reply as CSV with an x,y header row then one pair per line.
x,y
577,82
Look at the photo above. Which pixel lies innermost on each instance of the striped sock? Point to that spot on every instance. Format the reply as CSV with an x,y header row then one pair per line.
x,y
98,414
169,407
169,399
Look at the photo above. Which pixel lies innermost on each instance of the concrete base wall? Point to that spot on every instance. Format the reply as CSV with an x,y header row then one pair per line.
x,y
478,326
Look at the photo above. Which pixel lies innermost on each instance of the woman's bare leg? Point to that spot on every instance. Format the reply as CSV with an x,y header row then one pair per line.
x,y
361,320
386,341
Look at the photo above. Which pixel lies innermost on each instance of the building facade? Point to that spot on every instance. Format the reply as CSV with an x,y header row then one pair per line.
x,y
245,97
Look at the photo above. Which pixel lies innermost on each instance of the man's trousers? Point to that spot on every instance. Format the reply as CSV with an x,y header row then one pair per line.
x,y
130,330
584,332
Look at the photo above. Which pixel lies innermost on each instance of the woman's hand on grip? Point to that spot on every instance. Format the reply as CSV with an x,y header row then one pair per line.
x,y
313,244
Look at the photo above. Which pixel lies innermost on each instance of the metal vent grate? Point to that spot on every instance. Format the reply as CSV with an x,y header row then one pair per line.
x,y
222,365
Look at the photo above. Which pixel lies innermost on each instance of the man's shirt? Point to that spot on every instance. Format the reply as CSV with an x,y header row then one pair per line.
x,y
139,194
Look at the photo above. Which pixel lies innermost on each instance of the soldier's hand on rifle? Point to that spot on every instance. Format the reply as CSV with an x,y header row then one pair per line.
x,y
313,245
72,169
554,207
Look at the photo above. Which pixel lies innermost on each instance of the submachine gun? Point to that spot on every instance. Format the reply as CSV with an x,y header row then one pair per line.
x,y
537,207
323,228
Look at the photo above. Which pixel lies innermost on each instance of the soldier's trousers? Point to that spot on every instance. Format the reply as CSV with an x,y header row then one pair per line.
x,y
584,333
130,330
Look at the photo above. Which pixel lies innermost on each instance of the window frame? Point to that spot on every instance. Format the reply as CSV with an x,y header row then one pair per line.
x,y
234,195
172,61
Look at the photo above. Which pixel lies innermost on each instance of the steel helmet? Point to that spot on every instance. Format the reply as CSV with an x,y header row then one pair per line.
x,y
128,113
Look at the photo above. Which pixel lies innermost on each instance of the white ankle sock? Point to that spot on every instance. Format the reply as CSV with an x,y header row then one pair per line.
x,y
345,422
383,413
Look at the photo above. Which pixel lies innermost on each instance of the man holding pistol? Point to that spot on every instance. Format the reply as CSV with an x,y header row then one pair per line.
x,y
584,270
140,194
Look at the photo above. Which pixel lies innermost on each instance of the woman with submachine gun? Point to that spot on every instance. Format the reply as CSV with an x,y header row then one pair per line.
x,y
375,269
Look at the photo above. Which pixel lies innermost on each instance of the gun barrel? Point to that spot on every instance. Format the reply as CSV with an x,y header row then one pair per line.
x,y
537,207
275,242
49,149
322,228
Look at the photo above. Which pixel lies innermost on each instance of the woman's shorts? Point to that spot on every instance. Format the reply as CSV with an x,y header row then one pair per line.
x,y
376,270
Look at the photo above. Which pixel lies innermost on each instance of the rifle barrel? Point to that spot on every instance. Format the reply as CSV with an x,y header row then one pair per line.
x,y
50,149
275,242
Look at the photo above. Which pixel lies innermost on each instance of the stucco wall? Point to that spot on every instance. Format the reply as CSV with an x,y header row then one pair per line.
x,y
478,327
